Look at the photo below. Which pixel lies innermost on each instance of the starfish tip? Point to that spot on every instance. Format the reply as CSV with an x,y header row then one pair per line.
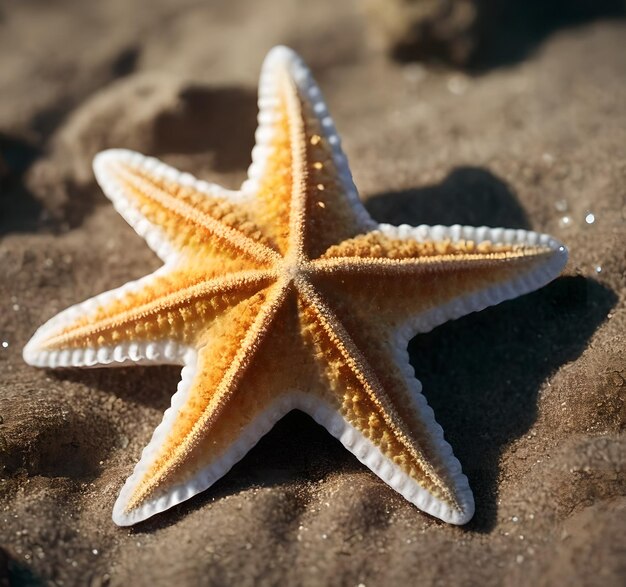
x,y
30,353
281,54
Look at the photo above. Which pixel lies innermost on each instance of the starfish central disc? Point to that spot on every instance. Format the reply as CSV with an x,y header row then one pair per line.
x,y
295,270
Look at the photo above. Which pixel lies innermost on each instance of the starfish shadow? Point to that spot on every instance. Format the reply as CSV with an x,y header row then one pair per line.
x,y
468,195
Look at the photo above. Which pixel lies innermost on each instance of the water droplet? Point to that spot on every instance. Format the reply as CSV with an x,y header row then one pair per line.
x,y
565,222
95,551
590,218
5,344
598,268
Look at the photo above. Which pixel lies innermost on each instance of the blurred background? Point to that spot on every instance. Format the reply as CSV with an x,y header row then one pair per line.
x,y
179,76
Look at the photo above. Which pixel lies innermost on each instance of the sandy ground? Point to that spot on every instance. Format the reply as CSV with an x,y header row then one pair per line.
x,y
530,393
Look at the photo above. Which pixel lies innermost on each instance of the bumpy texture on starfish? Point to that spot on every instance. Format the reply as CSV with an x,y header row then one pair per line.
x,y
286,295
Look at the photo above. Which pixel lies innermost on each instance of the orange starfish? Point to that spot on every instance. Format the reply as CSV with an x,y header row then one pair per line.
x,y
286,295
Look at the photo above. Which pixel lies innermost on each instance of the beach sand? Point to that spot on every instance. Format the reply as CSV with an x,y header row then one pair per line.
x,y
530,393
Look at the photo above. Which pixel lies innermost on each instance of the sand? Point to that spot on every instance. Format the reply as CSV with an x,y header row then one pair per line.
x,y
529,393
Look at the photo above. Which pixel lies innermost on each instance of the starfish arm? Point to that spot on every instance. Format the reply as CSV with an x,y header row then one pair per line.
x,y
179,215
424,276
156,319
227,399
299,177
380,459
373,404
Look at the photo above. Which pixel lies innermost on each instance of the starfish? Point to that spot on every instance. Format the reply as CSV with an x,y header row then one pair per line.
x,y
287,295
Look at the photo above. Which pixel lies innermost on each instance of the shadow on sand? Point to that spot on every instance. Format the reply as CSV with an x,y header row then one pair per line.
x,y
19,210
479,35
215,122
